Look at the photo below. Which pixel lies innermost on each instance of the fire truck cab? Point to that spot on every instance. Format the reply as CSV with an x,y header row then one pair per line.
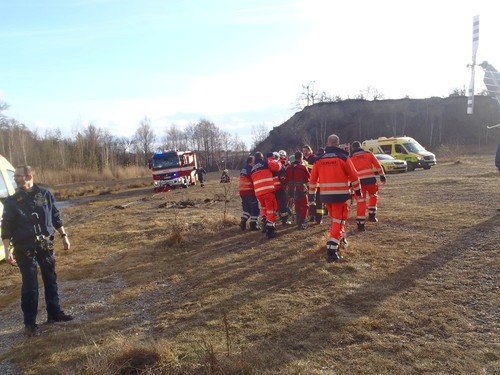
x,y
172,168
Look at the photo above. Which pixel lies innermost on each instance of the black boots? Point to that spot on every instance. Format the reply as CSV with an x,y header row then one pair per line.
x,y
263,222
243,224
61,317
253,225
361,226
301,223
332,252
372,216
270,231
31,330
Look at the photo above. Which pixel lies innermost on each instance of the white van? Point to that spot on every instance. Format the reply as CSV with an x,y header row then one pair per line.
x,y
7,187
402,148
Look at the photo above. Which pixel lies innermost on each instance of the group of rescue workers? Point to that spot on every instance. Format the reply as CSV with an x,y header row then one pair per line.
x,y
310,184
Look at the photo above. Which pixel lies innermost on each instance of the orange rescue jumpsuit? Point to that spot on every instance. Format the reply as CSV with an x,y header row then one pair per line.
x,y
366,165
332,173
264,187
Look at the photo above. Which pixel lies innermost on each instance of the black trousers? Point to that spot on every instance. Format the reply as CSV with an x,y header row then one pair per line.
x,y
27,261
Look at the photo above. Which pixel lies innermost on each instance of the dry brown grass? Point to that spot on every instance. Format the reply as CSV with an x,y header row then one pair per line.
x,y
417,293
57,177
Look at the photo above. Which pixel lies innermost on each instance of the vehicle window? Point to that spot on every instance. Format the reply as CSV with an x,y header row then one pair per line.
x,y
165,161
387,149
414,147
384,157
3,187
400,149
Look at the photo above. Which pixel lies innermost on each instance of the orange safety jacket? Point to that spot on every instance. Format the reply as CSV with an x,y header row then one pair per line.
x,y
246,184
333,173
262,176
366,165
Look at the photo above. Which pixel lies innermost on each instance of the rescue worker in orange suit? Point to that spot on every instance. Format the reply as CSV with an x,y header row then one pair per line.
x,y
249,201
263,184
316,207
279,184
333,172
297,177
366,165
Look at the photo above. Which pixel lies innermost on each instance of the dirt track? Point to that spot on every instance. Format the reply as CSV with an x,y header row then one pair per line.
x,y
418,292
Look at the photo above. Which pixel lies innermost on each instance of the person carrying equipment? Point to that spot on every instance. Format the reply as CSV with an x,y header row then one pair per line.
x,y
332,173
366,165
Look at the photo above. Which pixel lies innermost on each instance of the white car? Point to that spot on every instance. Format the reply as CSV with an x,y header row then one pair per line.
x,y
391,164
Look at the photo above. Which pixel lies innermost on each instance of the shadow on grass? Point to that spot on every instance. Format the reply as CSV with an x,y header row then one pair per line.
x,y
371,294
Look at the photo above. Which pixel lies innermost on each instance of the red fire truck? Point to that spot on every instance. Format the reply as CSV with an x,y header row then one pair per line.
x,y
172,168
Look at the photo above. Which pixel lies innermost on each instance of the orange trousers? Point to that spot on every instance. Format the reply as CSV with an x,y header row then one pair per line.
x,y
268,207
338,212
370,195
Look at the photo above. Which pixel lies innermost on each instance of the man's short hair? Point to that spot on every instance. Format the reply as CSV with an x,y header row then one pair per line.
x,y
27,169
298,155
333,140
250,159
355,145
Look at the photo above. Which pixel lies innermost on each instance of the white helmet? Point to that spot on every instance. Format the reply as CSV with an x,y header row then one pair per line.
x,y
276,155
282,154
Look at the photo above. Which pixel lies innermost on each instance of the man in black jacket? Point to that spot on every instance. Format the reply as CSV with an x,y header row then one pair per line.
x,y
29,221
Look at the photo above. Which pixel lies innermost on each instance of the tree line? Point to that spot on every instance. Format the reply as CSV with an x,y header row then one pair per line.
x,y
95,149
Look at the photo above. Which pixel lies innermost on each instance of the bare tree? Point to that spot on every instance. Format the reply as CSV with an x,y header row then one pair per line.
x,y
144,139
174,138
370,93
259,134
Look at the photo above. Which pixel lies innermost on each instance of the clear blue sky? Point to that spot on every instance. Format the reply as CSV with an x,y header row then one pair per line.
x,y
236,63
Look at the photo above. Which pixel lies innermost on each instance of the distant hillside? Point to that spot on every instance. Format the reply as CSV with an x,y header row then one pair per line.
x,y
433,122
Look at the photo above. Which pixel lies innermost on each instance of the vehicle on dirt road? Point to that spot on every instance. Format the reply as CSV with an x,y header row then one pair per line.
x,y
390,164
7,187
402,148
172,168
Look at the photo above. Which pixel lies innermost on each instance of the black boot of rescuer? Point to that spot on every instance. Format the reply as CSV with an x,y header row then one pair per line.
x,y
263,224
253,226
243,224
372,216
270,231
332,252
361,227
